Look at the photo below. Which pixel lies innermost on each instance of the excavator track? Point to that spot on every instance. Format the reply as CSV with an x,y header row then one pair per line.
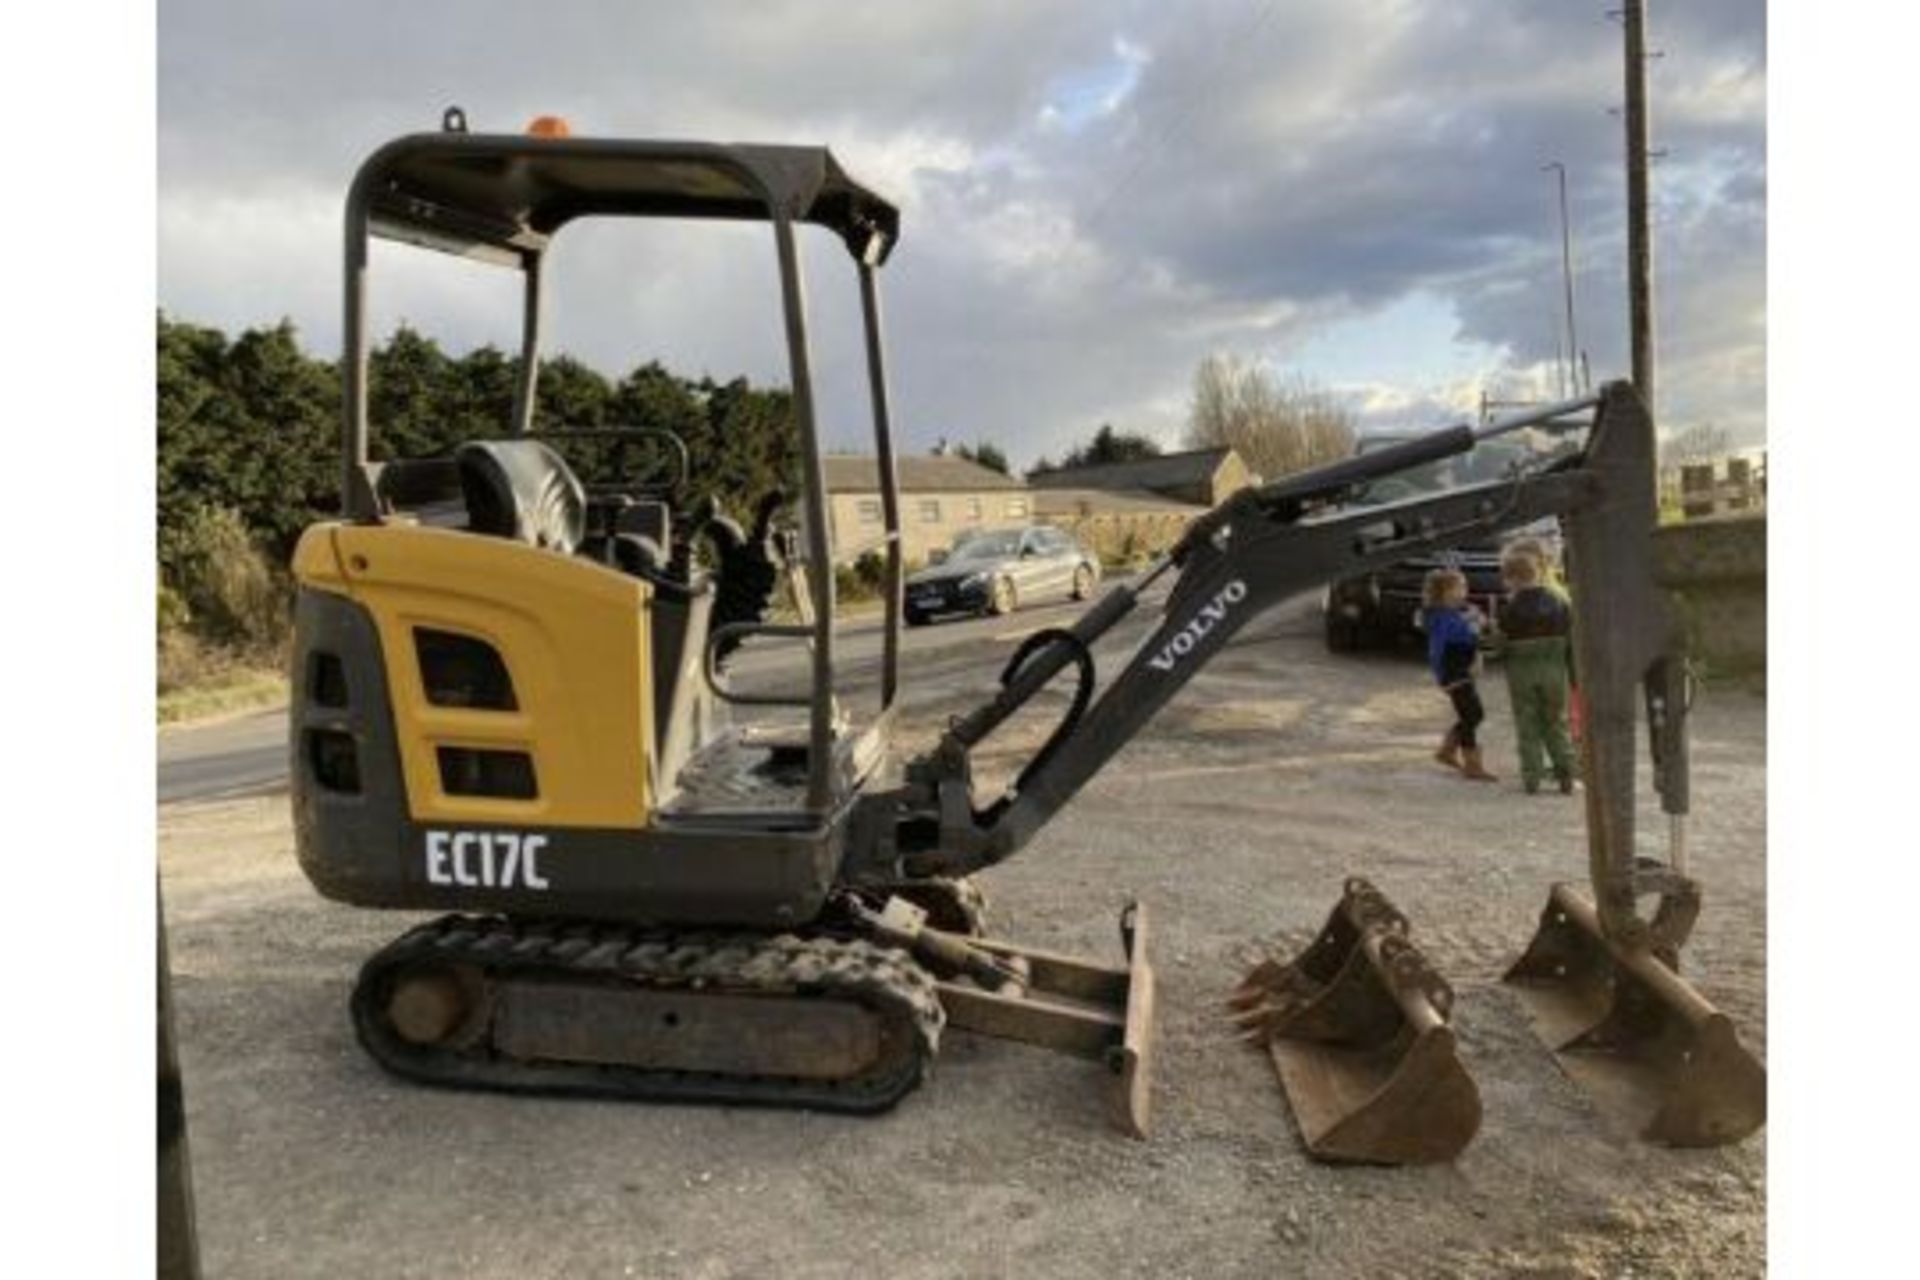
x,y
813,1021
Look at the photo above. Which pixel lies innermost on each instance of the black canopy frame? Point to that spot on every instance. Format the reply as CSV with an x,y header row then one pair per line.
x,y
501,198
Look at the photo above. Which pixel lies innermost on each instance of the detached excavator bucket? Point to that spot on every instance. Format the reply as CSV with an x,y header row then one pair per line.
x,y
1636,1035
1357,1028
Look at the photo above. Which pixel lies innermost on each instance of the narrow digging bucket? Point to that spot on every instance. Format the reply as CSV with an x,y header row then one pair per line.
x,y
1634,1034
1357,1029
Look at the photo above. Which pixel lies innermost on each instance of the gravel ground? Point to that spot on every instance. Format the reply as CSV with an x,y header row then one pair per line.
x,y
1235,817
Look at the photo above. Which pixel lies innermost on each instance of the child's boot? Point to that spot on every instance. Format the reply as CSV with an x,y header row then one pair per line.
x,y
1473,768
1449,752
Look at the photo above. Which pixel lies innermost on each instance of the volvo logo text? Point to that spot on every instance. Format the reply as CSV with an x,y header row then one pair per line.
x,y
1211,615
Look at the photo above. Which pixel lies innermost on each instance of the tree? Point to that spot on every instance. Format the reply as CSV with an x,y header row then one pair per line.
x,y
570,395
1702,442
409,388
250,428
482,394
985,454
1277,427
1107,446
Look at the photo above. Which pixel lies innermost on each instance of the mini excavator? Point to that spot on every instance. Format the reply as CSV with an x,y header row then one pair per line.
x,y
515,702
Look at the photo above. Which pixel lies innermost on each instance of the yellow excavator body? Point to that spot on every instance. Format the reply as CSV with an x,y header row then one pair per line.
x,y
573,699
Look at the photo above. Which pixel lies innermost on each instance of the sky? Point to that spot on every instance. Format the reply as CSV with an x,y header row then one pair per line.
x,y
1094,197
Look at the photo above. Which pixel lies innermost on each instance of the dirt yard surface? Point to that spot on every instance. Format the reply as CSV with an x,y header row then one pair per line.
x,y
1235,817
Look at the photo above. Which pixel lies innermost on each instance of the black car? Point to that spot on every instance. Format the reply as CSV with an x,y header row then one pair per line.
x,y
1384,606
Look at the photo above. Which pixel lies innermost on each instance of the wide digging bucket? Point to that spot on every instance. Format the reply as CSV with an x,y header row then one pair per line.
x,y
1634,1034
1357,1029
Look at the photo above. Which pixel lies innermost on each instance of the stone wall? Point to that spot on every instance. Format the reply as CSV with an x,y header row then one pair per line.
x,y
1718,569
1124,539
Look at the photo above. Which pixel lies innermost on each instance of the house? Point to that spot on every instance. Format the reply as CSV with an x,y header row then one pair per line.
x,y
1728,484
1121,526
1130,510
1203,477
940,498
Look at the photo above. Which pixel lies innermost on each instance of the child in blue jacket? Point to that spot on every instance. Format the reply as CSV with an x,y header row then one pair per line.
x,y
1453,649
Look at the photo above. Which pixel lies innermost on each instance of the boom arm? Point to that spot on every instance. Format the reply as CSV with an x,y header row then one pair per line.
x,y
1268,543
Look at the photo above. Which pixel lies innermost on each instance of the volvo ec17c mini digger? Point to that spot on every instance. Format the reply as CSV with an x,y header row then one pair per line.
x,y
515,699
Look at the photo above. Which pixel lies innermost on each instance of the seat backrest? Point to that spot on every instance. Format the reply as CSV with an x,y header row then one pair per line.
x,y
648,517
522,489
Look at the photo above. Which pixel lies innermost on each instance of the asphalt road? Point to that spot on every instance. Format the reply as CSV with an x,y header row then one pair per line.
x,y
232,756
247,754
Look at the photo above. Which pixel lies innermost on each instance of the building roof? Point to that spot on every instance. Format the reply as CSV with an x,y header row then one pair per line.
x,y
925,473
1168,471
1066,504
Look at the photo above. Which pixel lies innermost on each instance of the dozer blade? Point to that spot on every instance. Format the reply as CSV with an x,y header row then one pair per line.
x,y
1636,1035
1098,1011
1357,1029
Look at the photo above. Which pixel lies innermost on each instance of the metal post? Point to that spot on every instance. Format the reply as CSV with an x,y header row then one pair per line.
x,y
819,549
527,386
888,479
1639,239
179,1244
353,362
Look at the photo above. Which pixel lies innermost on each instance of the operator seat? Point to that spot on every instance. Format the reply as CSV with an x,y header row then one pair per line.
x,y
524,490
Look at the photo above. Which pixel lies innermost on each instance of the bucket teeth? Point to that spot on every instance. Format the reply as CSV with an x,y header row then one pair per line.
x,y
1261,980
1356,1025
1642,1041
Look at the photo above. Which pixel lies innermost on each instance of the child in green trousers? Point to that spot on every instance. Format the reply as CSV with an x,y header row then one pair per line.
x,y
1537,624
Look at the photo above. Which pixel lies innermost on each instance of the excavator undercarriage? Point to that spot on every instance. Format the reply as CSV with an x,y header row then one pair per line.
x,y
514,703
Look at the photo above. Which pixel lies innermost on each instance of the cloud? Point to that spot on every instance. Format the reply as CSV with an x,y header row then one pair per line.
x,y
1095,196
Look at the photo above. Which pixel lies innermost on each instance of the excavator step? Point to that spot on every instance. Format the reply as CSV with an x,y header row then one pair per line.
x,y
1634,1034
1357,1026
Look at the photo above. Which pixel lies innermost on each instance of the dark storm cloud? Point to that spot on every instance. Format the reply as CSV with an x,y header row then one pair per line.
x,y
1095,195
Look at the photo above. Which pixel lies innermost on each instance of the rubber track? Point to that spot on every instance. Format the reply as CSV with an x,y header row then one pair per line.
x,y
502,948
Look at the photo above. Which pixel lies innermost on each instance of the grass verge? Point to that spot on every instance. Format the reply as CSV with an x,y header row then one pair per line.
x,y
234,691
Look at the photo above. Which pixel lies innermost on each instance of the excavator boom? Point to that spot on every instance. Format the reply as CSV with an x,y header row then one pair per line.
x,y
1355,1028
1258,548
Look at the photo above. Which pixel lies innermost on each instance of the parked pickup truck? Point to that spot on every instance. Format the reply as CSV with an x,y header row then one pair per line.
x,y
1384,606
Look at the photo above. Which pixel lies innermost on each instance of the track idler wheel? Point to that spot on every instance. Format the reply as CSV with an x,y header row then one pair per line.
x,y
1357,1026
439,1006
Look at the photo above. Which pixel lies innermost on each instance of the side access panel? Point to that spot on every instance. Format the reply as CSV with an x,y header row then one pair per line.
x,y
518,680
374,829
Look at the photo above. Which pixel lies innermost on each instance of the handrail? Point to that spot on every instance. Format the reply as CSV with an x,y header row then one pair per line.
x,y
710,663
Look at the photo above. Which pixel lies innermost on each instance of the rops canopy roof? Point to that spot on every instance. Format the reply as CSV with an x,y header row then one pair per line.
x,y
501,196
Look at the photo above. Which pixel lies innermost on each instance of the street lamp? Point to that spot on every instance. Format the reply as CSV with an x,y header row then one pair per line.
x,y
1566,268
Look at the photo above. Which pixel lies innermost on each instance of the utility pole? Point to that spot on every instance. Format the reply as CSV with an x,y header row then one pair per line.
x,y
1639,241
1566,270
